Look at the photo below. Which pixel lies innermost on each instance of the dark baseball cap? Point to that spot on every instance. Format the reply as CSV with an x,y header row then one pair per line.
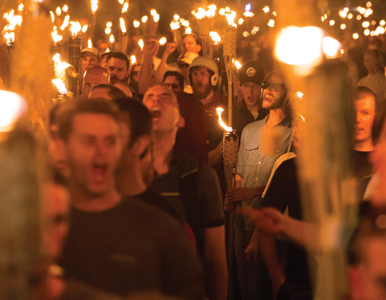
x,y
251,72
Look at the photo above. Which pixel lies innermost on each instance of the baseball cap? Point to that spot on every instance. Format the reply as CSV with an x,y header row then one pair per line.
x,y
251,72
91,50
187,57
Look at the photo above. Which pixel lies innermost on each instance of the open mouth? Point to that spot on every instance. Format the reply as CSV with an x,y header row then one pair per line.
x,y
99,169
156,113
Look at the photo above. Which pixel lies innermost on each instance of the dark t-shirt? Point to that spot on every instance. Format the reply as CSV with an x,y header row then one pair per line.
x,y
283,192
362,166
131,248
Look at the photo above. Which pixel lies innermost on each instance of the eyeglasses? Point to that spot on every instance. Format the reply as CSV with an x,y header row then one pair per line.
x,y
273,87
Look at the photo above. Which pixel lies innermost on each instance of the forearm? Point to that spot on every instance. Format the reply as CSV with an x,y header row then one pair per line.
x,y
145,76
269,253
161,70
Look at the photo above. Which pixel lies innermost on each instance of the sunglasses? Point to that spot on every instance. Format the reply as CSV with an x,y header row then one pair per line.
x,y
273,87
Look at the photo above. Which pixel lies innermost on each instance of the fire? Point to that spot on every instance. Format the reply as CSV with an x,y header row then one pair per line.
x,y
60,86
60,65
125,7
219,110
89,43
188,30
94,6
156,18
10,37
300,46
21,6
12,107
230,15
133,59
56,37
65,8
162,41
331,47
120,2
174,25
136,23
215,37
66,21
123,25
75,28
52,16
153,12
112,39
84,28
237,64
176,17
58,11
141,44
144,19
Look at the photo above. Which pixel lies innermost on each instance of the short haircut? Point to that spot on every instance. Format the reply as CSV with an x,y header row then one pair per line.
x,y
362,92
118,55
176,74
139,118
198,41
113,92
70,109
371,225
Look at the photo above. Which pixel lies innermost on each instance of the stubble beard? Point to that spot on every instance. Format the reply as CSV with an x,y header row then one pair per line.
x,y
202,95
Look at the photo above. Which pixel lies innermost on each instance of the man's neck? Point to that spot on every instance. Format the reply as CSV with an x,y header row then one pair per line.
x,y
163,149
253,109
275,117
129,180
86,202
364,146
208,99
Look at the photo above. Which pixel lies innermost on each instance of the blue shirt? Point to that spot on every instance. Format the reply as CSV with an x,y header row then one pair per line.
x,y
259,149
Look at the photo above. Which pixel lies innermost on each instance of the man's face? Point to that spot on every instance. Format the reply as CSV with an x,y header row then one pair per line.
x,y
189,44
368,278
88,60
102,47
251,94
172,83
370,62
117,69
365,109
201,83
93,149
92,78
184,69
163,105
274,94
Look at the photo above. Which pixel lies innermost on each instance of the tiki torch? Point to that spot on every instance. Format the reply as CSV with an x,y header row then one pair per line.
x,y
74,44
124,37
19,201
229,53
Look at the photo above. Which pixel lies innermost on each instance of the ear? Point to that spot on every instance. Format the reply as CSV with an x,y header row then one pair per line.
x,y
237,86
197,48
181,122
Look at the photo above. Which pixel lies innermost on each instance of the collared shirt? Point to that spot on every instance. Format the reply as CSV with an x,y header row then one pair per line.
x,y
259,150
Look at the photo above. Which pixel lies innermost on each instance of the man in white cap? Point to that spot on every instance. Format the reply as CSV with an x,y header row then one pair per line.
x,y
90,58
184,61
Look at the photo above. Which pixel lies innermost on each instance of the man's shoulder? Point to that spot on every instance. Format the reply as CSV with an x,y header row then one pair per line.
x,y
255,124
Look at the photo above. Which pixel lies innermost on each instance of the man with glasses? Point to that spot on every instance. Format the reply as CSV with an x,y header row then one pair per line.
x,y
262,142
174,81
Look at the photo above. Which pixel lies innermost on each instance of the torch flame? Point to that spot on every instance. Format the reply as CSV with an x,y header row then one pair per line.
x,y
174,25
219,110
153,12
66,21
58,11
65,8
21,6
12,107
60,86
144,19
84,28
188,30
89,43
75,28
94,6
52,16
141,44
125,7
162,41
120,2
56,37
156,18
112,39
133,59
231,17
122,24
136,23
10,37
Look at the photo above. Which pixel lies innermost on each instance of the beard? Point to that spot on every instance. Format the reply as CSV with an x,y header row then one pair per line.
x,y
275,105
201,92
115,79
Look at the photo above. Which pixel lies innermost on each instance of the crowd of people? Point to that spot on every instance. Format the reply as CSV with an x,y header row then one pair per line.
x,y
139,198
